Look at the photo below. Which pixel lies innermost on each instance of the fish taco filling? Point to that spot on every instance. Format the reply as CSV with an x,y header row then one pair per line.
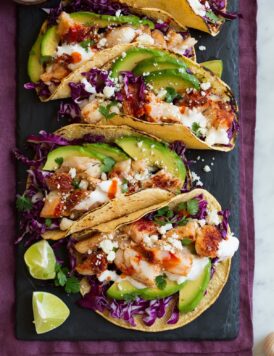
x,y
155,87
77,32
69,178
167,256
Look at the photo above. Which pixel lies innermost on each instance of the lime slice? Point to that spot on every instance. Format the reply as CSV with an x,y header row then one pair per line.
x,y
40,260
49,311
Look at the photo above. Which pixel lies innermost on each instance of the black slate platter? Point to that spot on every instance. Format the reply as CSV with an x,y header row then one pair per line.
x,y
221,321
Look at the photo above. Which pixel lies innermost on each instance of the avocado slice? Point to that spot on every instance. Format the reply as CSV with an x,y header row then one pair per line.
x,y
110,151
154,152
173,78
193,291
129,60
216,66
157,64
49,43
123,289
90,19
35,67
68,151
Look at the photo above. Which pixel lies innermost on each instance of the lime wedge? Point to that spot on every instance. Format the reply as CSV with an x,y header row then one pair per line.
x,y
49,311
40,260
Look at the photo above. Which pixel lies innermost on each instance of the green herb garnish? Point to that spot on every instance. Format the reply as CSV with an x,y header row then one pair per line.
x,y
75,183
171,95
86,44
161,281
105,110
186,242
124,185
59,160
183,221
163,216
192,206
196,128
213,18
129,297
108,163
71,283
48,222
23,203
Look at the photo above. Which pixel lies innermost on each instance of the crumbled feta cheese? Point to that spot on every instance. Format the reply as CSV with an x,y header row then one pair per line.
x,y
108,276
163,229
205,86
104,176
108,91
198,158
215,136
65,224
72,172
202,48
213,218
196,178
106,245
140,144
118,13
175,243
83,185
207,169
123,54
174,236
111,256
203,93
162,93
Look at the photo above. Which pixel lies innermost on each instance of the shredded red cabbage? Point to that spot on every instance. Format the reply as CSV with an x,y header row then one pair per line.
x,y
41,87
130,78
45,137
224,224
71,110
218,7
150,310
78,92
235,128
106,7
99,79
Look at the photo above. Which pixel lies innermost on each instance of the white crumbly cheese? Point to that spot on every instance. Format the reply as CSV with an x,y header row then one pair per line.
x,y
83,184
175,243
111,256
194,116
65,224
217,136
140,144
68,49
108,276
197,179
106,245
207,169
228,247
162,93
123,54
205,86
202,48
72,172
88,87
213,218
163,229
145,39
118,13
202,222
109,91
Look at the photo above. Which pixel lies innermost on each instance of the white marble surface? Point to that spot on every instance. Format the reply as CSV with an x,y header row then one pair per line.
x,y
263,315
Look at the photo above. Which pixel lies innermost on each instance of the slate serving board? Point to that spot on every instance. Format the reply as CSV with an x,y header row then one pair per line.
x,y
221,321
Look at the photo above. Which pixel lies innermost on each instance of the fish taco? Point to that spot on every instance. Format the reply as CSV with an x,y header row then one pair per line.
x,y
160,267
158,92
83,167
76,32
207,16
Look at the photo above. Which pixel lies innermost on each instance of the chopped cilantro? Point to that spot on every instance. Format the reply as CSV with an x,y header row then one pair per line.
x,y
129,297
23,203
48,222
196,129
75,183
161,281
171,95
86,44
59,160
108,163
192,206
62,279
163,216
183,221
212,17
186,242
105,110
124,185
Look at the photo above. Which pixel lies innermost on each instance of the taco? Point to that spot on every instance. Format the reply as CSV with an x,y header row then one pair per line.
x,y
158,268
207,16
78,32
159,93
83,167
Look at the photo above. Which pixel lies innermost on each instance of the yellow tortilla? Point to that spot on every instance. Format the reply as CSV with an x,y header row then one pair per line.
x,y
119,207
214,288
180,10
